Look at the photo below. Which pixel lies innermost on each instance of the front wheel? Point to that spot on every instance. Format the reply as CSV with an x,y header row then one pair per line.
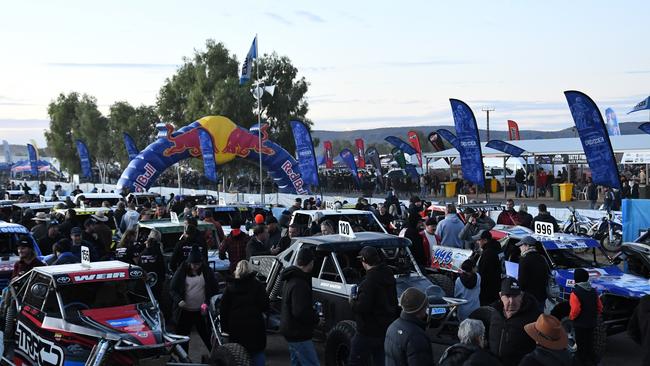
x,y
339,343
614,245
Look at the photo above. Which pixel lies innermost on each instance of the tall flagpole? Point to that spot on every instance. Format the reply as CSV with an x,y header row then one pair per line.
x,y
260,94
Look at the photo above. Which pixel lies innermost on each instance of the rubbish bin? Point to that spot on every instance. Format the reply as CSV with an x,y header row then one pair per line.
x,y
566,192
556,191
494,185
450,189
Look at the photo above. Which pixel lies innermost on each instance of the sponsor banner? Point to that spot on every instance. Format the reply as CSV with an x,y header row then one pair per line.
x,y
361,161
401,144
33,159
329,158
467,133
436,141
207,152
513,130
348,158
595,139
84,158
372,155
505,147
414,140
450,137
305,153
612,122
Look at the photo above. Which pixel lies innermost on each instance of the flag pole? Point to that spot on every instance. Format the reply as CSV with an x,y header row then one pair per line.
x,y
259,119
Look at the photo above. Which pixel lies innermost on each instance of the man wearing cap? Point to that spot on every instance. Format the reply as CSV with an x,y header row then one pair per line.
x,y
406,340
298,318
585,309
489,267
429,238
130,218
475,223
102,231
40,229
296,205
449,228
508,340
275,234
552,341
533,270
45,242
78,242
375,307
27,258
234,245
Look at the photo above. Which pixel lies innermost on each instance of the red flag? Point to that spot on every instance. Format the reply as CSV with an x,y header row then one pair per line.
x,y
361,161
414,140
513,130
329,162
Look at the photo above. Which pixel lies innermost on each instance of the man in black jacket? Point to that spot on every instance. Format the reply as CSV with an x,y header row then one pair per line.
x,y
182,249
374,309
508,340
256,245
298,318
533,270
406,341
489,267
544,216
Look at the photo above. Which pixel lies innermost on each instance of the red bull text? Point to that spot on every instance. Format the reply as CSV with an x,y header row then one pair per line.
x,y
295,178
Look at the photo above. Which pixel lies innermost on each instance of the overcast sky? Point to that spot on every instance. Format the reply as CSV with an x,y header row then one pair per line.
x,y
369,63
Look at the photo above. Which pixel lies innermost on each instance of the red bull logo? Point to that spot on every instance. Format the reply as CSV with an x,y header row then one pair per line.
x,y
183,142
295,178
241,143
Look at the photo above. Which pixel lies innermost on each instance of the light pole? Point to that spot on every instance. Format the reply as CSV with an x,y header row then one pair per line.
x,y
258,92
487,111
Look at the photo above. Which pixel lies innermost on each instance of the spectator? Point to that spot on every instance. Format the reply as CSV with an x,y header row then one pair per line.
x,y
242,312
119,213
520,180
217,225
78,242
127,249
130,218
327,228
45,243
298,318
256,244
103,232
609,200
406,340
26,258
413,234
470,349
585,309
274,232
190,240
234,245
449,228
508,340
292,232
69,222
40,229
61,253
530,183
592,193
525,219
544,216
471,228
533,270
429,238
192,285
468,287
551,340
296,205
639,327
509,215
634,188
489,267
374,309
153,262
384,217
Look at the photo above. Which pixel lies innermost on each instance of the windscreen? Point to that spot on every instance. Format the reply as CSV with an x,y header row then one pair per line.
x,y
103,294
359,223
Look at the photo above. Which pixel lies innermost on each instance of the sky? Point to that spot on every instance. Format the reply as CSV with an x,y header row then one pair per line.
x,y
369,63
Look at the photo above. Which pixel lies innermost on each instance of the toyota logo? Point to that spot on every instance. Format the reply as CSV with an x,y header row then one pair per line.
x,y
63,279
135,273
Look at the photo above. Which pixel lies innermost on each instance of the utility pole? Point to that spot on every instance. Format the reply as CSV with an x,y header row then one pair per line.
x,y
487,111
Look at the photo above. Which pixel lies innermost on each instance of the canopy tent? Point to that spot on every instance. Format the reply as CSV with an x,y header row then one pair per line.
x,y
23,166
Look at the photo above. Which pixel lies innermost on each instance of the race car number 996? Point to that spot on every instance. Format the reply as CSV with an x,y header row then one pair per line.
x,y
442,258
544,228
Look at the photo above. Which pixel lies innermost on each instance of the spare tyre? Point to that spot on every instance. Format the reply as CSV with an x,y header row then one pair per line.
x,y
444,282
339,342
230,354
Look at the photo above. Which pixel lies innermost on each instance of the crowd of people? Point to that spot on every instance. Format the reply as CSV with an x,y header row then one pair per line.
x,y
389,330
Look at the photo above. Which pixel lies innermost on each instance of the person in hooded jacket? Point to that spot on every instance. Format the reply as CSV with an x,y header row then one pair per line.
x,y
413,234
374,308
192,285
544,216
468,287
469,351
234,245
475,223
515,308
533,270
585,309
489,267
191,238
449,228
242,310
639,327
297,315
551,340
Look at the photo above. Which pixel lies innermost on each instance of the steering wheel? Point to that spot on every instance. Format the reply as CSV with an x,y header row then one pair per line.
x,y
81,306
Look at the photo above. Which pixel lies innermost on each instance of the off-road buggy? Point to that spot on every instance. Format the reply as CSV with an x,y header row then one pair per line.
x,y
10,236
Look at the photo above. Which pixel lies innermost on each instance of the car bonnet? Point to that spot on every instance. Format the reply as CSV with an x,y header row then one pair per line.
x,y
608,280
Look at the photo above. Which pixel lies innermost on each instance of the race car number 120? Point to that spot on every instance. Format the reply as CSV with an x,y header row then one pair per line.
x,y
544,228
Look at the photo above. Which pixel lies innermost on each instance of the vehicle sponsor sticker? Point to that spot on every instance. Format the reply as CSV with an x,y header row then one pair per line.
x,y
437,311
40,350
124,322
105,275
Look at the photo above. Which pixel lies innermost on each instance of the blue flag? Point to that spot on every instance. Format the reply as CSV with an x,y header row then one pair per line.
x,y
372,156
33,159
348,158
247,65
305,153
84,158
595,139
471,157
401,144
505,147
645,127
207,151
7,149
612,122
642,105
450,137
131,148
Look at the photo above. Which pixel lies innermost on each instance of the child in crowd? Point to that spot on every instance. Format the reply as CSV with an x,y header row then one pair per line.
x,y
468,287
585,309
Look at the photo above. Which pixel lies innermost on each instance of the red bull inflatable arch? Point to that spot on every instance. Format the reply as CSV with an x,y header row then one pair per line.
x,y
229,140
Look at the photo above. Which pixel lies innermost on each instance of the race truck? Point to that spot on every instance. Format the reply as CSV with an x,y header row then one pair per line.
x,y
140,198
336,273
10,236
101,313
309,220
18,209
96,199
226,213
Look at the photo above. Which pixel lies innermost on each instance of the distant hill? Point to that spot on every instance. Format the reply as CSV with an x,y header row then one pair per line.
x,y
377,135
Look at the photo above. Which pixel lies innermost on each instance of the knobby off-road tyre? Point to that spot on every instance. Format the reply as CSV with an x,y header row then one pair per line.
x,y
230,354
338,343
444,282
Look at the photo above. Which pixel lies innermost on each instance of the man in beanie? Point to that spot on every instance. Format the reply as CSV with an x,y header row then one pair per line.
x,y
508,341
234,245
551,340
533,270
192,285
374,309
27,258
297,316
585,308
406,340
